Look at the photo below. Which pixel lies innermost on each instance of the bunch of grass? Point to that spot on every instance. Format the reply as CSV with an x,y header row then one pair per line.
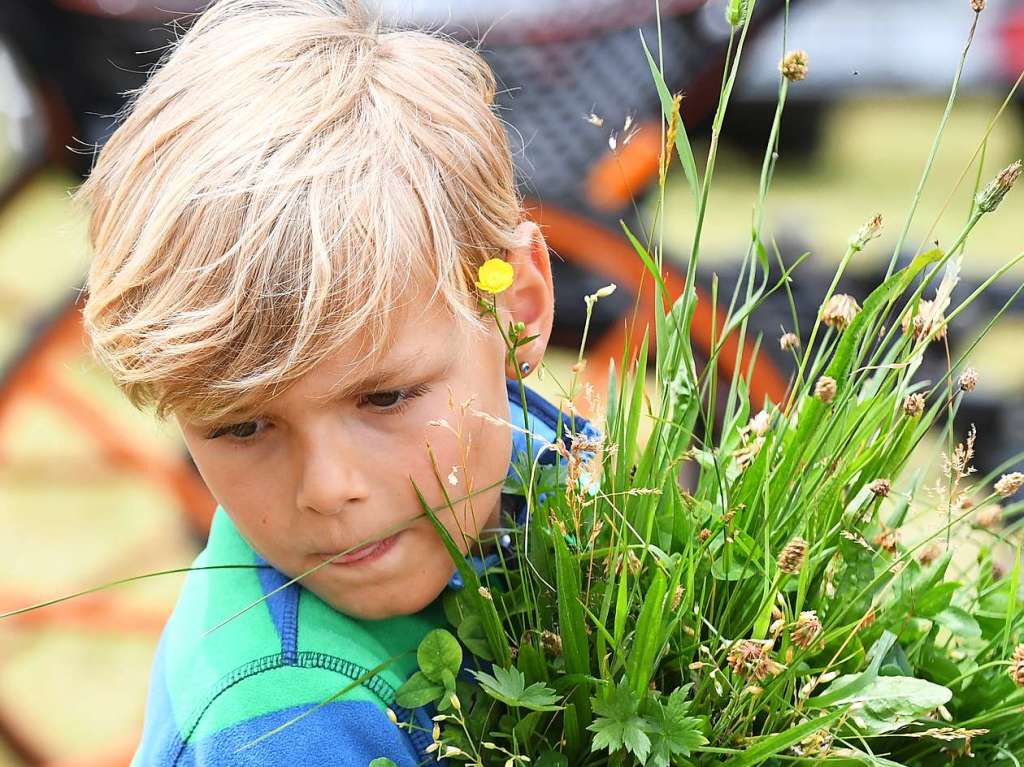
x,y
775,607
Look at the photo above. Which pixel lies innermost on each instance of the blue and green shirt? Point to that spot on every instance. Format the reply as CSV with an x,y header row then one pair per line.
x,y
211,694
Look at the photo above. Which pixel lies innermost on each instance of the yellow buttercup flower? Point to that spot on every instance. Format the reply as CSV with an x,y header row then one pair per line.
x,y
495,275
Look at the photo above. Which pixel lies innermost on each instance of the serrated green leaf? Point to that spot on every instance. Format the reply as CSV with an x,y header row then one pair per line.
x,y
509,686
618,725
674,733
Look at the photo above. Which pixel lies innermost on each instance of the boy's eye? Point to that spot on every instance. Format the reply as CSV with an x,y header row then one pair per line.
x,y
390,402
384,399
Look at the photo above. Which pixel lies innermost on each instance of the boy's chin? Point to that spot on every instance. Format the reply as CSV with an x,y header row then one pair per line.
x,y
375,604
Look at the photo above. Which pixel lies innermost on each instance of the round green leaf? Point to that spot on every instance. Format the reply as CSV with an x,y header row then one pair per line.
x,y
438,651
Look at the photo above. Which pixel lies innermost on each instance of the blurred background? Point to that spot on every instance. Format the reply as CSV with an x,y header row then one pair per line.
x,y
91,490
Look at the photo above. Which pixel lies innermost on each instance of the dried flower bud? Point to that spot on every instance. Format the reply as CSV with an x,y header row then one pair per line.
x,y
704,534
792,557
794,65
789,341
988,199
1017,666
825,389
839,311
889,540
914,405
929,554
866,233
989,518
977,5
968,380
881,488
806,629
551,642
751,659
759,423
925,321
606,291
1009,484
392,717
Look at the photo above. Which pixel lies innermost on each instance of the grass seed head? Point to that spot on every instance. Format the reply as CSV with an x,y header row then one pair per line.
x,y
789,341
1009,484
968,380
929,554
988,199
914,405
752,659
806,630
1017,666
794,65
825,389
881,488
839,311
889,540
792,557
977,5
925,321
989,518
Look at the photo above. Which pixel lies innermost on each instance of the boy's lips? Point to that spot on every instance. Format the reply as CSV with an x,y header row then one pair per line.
x,y
363,554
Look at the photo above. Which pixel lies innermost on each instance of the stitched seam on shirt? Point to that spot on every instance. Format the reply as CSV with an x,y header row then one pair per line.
x,y
290,628
306,659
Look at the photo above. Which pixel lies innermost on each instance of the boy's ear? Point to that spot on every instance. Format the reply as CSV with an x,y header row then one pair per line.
x,y
531,297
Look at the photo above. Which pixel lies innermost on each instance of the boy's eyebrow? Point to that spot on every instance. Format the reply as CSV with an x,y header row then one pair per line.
x,y
389,371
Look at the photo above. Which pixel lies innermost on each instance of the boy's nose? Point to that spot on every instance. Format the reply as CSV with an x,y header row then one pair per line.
x,y
331,483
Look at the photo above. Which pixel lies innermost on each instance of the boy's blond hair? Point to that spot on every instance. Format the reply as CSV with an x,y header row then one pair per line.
x,y
286,173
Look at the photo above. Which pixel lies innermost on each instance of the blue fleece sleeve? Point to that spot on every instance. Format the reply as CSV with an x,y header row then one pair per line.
x,y
342,734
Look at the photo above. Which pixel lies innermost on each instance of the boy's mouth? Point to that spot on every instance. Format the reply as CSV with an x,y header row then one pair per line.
x,y
364,554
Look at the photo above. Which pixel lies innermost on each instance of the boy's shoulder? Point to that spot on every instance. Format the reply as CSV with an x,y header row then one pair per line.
x,y
245,652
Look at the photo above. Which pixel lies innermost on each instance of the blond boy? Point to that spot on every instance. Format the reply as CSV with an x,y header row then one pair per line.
x,y
287,228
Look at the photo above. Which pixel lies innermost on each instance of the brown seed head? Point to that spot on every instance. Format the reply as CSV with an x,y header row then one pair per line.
x,y
806,629
825,389
990,517
889,540
881,488
792,557
977,5
929,554
839,311
794,65
551,642
789,341
751,659
968,380
1017,666
914,405
704,534
925,321
1009,484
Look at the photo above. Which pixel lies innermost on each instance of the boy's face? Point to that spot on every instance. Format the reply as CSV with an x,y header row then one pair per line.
x,y
313,477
